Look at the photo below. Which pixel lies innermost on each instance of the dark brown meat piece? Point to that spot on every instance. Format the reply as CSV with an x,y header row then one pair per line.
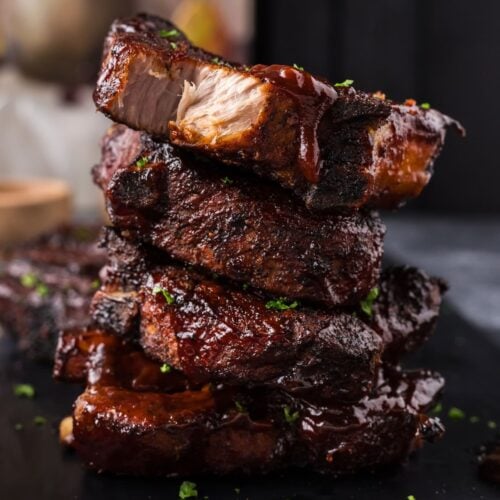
x,y
222,430
171,428
47,285
333,146
215,331
236,227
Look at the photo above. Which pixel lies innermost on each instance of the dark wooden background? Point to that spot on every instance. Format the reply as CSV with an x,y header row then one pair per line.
x,y
446,52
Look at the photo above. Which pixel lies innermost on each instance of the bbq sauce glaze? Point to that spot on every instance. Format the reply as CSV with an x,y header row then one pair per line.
x,y
312,98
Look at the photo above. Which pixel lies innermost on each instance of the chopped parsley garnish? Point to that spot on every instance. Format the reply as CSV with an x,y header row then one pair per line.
x,y
345,83
165,368
169,298
296,66
24,391
491,424
29,280
456,413
19,427
410,497
42,290
216,60
241,408
367,304
38,420
188,490
425,105
168,33
474,419
173,45
281,305
142,162
227,181
437,409
95,284
290,416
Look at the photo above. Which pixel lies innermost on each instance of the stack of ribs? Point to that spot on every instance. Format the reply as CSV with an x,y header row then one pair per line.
x,y
243,323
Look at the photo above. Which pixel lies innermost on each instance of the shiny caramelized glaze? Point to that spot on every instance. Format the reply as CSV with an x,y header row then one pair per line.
x,y
312,98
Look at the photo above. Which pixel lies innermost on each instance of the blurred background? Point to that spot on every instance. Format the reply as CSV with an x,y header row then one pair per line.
x,y
445,52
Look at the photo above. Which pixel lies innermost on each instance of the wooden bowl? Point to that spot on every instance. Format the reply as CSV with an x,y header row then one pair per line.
x,y
31,207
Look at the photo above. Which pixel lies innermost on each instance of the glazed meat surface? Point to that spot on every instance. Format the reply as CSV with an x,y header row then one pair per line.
x,y
135,419
335,147
47,285
235,226
213,330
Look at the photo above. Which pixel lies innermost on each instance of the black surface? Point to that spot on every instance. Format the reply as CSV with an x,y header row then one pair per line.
x,y
33,465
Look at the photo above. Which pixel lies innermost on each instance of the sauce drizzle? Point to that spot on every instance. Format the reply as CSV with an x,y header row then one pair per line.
x,y
313,98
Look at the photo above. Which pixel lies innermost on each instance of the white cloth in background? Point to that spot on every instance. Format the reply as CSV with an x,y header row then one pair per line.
x,y
41,136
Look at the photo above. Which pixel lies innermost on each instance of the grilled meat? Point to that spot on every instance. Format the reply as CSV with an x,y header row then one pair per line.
x,y
47,285
236,227
333,146
216,331
135,419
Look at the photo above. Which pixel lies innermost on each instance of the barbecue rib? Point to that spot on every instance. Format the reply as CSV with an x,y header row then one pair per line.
x,y
134,419
333,146
47,285
216,331
236,227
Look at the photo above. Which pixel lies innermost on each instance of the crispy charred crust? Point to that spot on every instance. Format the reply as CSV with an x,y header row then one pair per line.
x,y
375,153
64,267
217,331
241,229
226,429
407,309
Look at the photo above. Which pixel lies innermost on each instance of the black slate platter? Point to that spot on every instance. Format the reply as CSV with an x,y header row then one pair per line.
x,y
33,465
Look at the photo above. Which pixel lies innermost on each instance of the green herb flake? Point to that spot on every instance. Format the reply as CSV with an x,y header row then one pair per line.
x,y
456,413
437,409
169,298
241,408
95,284
142,162
29,280
491,424
296,66
42,290
474,419
245,286
345,83
19,427
367,304
410,497
168,33
227,181
38,420
281,305
24,391
290,416
165,368
425,105
188,490
173,45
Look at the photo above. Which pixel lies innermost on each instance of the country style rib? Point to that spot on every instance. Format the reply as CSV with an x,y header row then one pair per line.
x,y
234,226
335,147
